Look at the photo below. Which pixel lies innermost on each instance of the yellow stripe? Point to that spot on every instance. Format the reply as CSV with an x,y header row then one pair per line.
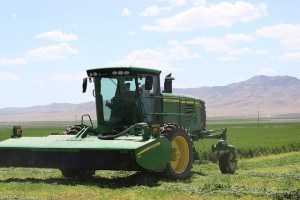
x,y
172,100
148,148
189,102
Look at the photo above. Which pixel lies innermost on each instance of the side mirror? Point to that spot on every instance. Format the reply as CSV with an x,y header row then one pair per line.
x,y
148,82
84,85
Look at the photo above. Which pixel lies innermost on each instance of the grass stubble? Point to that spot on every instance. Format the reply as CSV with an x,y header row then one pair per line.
x,y
269,168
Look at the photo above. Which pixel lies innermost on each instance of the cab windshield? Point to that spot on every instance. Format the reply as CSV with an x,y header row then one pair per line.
x,y
123,100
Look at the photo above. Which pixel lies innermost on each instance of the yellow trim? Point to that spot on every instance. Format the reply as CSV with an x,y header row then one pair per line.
x,y
232,162
183,102
190,102
147,149
172,100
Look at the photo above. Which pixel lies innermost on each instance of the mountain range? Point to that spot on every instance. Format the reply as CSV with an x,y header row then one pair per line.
x,y
270,96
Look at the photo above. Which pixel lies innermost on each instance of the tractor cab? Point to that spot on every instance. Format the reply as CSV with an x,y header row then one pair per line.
x,y
124,96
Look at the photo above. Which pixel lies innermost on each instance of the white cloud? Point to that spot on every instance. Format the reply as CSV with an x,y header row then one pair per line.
x,y
180,52
68,77
219,44
226,59
222,14
126,12
52,52
177,2
290,57
145,58
210,44
159,59
267,72
262,51
154,10
13,61
8,76
287,34
57,35
241,37
173,43
291,43
240,51
131,33
14,15
280,31
199,2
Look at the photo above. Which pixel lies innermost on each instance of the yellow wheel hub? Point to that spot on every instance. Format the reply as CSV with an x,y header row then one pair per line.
x,y
231,161
181,154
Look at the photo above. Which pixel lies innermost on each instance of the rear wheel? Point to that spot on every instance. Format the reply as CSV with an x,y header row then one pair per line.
x,y
227,162
182,152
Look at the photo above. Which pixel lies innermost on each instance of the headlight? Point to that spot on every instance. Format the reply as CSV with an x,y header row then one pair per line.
x,y
114,73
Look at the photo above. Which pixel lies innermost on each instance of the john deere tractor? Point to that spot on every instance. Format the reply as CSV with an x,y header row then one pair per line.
x,y
139,128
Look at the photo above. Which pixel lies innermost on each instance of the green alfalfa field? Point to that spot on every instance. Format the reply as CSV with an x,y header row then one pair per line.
x,y
268,168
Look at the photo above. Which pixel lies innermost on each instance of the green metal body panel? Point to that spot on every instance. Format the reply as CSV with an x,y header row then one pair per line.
x,y
66,142
155,155
182,109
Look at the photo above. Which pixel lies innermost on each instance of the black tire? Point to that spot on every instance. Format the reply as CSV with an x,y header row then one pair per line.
x,y
227,163
182,152
77,173
71,132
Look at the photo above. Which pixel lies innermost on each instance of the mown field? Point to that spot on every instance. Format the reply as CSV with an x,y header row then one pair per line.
x,y
269,168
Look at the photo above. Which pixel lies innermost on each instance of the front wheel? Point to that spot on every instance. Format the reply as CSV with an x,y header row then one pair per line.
x,y
227,162
182,153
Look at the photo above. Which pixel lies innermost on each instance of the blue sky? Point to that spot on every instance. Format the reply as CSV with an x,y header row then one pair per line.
x,y
46,46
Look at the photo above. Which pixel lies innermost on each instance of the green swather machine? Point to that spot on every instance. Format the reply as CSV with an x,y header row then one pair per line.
x,y
139,128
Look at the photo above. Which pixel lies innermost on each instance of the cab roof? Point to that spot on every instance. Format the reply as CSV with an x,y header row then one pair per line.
x,y
113,71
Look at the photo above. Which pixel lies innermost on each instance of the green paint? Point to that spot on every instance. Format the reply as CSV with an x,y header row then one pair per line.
x,y
155,155
66,142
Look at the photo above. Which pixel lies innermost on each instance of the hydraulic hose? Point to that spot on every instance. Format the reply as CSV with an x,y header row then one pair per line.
x,y
111,137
